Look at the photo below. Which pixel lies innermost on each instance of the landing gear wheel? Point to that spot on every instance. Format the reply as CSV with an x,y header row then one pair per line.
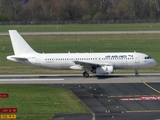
x,y
136,74
85,74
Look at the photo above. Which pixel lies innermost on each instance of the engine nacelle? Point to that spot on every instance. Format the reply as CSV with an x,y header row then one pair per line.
x,y
105,70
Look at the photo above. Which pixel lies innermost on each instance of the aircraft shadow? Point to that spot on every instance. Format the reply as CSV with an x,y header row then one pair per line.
x,y
108,76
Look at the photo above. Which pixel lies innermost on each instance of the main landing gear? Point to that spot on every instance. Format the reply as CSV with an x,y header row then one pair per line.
x,y
136,72
85,74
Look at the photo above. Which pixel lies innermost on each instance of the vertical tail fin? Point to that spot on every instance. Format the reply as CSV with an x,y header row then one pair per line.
x,y
19,44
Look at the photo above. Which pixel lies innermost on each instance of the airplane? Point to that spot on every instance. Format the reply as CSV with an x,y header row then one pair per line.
x,y
98,63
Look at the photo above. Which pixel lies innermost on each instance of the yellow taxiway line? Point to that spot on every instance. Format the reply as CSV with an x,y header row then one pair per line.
x,y
151,87
142,111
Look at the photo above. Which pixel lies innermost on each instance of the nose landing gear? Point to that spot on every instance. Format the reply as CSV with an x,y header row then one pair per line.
x,y
136,72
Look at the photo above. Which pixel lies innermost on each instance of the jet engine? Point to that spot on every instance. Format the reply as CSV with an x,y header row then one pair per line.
x,y
105,70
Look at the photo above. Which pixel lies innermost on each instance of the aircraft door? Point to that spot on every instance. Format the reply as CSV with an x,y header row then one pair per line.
x,y
137,58
38,60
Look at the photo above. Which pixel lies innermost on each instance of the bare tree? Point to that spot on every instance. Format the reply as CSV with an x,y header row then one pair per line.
x,y
70,9
78,9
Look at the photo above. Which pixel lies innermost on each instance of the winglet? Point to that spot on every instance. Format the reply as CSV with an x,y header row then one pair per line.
x,y
19,44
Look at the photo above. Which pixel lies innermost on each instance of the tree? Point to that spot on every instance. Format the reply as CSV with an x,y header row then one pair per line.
x,y
94,10
71,9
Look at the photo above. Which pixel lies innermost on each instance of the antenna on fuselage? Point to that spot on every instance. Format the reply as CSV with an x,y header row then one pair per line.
x,y
91,50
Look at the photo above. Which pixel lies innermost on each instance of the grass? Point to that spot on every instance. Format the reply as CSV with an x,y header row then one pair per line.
x,y
39,102
82,27
145,43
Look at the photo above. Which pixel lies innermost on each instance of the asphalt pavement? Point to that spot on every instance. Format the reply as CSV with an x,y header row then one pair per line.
x,y
118,96
121,101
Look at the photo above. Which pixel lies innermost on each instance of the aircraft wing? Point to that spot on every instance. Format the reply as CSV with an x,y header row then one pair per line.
x,y
86,65
91,65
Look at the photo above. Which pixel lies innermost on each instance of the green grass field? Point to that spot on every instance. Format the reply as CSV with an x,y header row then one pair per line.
x,y
81,27
40,102
145,43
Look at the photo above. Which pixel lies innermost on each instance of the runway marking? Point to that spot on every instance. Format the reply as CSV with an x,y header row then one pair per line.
x,y
151,87
119,96
142,111
30,80
29,75
141,98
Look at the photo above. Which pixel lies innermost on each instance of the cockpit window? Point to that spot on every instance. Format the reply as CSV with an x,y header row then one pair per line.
x,y
148,57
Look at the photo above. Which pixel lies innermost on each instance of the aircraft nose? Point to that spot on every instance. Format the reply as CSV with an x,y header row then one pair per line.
x,y
154,62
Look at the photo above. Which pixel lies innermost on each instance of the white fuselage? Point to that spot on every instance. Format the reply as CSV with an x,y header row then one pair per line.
x,y
65,61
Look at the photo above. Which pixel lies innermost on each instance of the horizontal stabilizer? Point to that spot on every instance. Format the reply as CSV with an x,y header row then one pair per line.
x,y
16,58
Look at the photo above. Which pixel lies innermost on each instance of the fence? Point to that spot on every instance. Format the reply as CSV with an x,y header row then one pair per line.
x,y
79,22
